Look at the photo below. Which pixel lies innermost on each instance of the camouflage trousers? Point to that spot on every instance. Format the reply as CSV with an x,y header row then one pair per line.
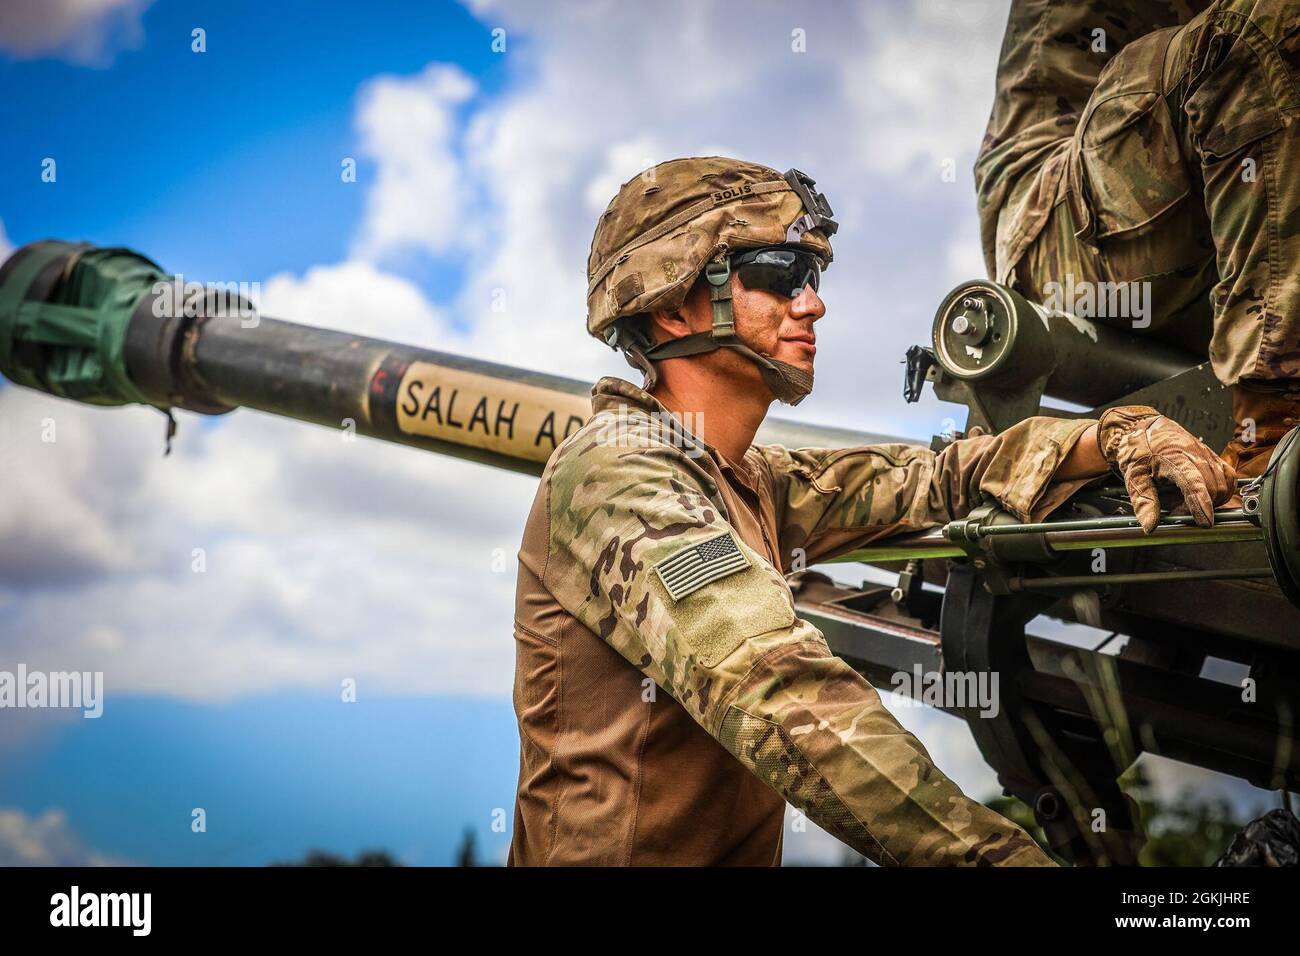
x,y
1154,143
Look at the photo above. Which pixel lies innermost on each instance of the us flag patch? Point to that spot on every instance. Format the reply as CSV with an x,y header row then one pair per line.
x,y
696,565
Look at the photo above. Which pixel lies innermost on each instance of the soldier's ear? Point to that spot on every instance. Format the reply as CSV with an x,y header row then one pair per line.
x,y
663,325
695,314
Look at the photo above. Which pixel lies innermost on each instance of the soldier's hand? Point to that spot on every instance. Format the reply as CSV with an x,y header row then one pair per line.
x,y
1143,445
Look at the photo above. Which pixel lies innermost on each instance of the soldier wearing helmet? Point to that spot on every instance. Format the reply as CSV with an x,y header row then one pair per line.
x,y
670,700
686,222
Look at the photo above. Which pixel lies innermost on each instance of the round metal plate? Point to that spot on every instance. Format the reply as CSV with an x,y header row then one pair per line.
x,y
1278,516
971,343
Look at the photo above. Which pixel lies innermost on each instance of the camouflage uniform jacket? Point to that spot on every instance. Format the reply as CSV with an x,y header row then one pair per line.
x,y
670,701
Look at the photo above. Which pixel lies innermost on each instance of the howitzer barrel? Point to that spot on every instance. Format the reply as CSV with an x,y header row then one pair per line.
x,y
110,327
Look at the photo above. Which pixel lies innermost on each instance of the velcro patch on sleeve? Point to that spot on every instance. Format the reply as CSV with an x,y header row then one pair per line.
x,y
696,565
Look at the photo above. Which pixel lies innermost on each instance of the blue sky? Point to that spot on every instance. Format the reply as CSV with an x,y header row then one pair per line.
x,y
225,162
277,775
479,173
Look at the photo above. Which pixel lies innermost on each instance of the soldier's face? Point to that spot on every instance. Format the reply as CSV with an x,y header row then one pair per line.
x,y
776,326
769,323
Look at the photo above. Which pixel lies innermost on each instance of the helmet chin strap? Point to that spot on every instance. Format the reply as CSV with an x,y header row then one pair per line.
x,y
787,382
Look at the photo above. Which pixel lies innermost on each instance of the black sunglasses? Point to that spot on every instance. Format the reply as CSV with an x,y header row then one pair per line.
x,y
784,271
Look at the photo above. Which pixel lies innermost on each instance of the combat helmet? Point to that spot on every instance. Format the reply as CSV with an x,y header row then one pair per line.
x,y
685,217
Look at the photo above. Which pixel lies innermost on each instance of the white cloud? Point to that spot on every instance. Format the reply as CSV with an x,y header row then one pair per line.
x,y
86,32
922,89
963,254
356,297
44,840
6,247
69,501
409,125
323,559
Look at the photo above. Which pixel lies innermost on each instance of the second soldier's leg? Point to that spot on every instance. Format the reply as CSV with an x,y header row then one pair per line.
x,y
1236,75
1127,210
1052,56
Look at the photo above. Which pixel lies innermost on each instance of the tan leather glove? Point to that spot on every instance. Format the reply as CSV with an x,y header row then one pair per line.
x,y
1142,445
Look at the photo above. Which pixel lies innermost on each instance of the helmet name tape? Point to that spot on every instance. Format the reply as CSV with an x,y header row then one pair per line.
x,y
723,195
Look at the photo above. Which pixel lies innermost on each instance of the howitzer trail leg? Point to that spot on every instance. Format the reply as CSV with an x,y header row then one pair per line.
x,y
1063,769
